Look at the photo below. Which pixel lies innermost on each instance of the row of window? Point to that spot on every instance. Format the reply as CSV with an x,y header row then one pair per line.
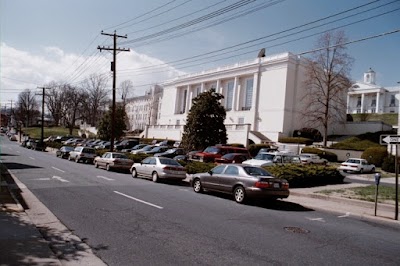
x,y
373,101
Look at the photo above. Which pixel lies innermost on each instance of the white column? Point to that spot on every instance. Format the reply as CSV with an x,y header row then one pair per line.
x,y
202,87
348,104
218,89
362,103
377,103
235,94
188,99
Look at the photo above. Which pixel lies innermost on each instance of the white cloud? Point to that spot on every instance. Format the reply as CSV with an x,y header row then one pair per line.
x,y
22,70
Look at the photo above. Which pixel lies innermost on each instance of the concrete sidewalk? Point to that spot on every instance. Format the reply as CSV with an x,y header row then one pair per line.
x,y
34,236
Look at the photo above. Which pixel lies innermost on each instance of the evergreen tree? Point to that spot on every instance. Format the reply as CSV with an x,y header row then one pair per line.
x,y
104,131
205,122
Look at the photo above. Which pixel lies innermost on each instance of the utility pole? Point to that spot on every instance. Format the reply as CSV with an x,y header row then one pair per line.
x,y
114,70
42,124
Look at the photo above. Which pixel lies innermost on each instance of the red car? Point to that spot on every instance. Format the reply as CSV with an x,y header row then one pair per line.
x,y
211,153
233,158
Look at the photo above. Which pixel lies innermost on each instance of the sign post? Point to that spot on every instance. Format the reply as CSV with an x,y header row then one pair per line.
x,y
395,140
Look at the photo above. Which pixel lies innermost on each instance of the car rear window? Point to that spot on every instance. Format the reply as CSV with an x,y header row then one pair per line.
x,y
88,150
168,161
255,171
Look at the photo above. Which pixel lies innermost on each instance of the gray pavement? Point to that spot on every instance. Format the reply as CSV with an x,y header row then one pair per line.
x,y
34,236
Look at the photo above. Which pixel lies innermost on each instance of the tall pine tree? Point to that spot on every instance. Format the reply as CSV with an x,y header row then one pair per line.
x,y
205,122
104,131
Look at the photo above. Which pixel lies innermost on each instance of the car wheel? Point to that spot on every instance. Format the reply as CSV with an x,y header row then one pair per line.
x,y
239,194
197,187
373,170
77,159
69,158
96,165
361,171
134,173
155,177
108,168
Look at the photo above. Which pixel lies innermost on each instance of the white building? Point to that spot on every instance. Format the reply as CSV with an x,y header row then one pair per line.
x,y
144,110
368,97
261,97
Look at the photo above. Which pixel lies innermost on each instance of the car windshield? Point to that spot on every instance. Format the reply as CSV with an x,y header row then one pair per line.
x,y
168,161
264,156
212,150
148,148
353,161
170,151
68,148
255,171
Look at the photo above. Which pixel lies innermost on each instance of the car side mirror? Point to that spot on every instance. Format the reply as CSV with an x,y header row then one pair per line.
x,y
210,172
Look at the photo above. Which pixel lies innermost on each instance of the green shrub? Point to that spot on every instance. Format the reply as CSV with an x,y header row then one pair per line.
x,y
239,145
375,155
354,143
100,152
194,167
255,148
295,140
137,158
388,164
330,156
299,175
54,145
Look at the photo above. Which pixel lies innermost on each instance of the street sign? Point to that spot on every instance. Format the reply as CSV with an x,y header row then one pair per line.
x,y
389,139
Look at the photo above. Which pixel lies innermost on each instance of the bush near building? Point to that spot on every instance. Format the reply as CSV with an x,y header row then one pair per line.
x,y
375,155
297,140
193,167
306,175
388,164
362,142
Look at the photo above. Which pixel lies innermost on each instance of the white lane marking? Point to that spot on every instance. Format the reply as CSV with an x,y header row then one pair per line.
x,y
62,171
106,178
316,219
346,215
139,200
60,179
42,179
32,158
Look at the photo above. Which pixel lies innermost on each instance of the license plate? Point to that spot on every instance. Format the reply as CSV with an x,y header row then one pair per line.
x,y
276,185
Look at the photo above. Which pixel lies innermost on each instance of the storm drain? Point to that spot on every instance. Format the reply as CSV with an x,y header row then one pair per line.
x,y
296,230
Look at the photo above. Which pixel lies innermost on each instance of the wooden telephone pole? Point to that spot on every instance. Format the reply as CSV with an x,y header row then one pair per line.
x,y
114,70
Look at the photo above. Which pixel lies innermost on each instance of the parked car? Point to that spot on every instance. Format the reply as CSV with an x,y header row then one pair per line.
x,y
144,149
262,159
64,151
113,160
233,158
241,181
134,148
310,158
81,153
357,165
213,152
38,145
13,137
158,168
171,153
286,158
126,144
157,149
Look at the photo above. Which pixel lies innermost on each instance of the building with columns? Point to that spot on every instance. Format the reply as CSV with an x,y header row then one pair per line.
x,y
261,98
144,110
368,97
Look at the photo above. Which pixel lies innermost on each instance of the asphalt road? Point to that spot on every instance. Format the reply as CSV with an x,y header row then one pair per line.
x,y
131,221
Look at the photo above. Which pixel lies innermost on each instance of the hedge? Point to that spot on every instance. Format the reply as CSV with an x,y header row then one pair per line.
x,y
193,167
354,143
295,140
299,175
388,164
375,155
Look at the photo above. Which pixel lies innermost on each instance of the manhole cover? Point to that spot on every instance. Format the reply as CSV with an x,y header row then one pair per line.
x,y
297,230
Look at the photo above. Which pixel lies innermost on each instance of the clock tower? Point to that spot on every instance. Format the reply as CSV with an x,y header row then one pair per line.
x,y
369,76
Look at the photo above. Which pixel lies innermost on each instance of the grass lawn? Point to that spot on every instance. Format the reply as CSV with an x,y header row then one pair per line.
x,y
35,132
385,194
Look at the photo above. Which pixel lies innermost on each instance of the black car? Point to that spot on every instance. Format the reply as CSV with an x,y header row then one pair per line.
x,y
171,153
126,144
63,152
157,149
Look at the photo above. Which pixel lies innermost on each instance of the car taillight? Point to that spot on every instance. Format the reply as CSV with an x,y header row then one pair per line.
x,y
263,184
285,185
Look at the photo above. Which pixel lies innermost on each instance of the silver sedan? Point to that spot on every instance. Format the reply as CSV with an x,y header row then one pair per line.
x,y
158,168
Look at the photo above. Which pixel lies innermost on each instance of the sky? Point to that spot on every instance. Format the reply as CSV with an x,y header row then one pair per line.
x,y
45,41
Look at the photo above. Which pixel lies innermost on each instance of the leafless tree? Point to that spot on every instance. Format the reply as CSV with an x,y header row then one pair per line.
x,y
28,106
96,98
327,80
72,98
55,101
125,90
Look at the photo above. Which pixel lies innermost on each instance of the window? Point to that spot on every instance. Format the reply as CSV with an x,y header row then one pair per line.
x,y
392,100
218,170
231,170
184,101
373,102
249,94
359,101
229,96
198,91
